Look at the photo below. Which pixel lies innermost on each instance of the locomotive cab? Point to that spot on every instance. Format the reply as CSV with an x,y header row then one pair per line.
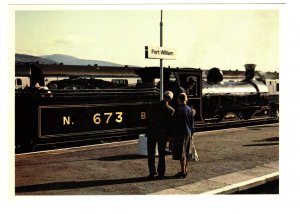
x,y
190,81
177,80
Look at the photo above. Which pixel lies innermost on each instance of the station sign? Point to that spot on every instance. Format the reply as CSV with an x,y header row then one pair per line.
x,y
159,53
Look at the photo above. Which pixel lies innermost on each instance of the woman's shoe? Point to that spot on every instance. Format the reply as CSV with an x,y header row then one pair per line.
x,y
184,175
178,175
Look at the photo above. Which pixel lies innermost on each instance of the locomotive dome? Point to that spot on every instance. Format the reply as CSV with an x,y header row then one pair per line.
x,y
215,75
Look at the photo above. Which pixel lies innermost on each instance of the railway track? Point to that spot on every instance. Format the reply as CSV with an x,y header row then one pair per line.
x,y
235,124
199,127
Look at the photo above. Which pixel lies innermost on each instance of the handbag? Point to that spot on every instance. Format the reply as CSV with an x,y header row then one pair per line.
x,y
193,155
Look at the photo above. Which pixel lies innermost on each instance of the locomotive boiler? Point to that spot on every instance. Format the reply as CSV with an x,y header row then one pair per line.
x,y
234,100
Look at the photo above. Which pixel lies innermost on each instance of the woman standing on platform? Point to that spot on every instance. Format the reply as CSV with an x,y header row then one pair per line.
x,y
183,131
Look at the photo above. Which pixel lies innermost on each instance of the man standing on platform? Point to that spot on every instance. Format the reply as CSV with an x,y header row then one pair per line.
x,y
159,118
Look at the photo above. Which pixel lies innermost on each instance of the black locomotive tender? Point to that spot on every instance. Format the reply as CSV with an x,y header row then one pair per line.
x,y
78,104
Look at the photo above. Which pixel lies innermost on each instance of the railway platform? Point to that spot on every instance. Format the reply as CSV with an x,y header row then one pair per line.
x,y
231,160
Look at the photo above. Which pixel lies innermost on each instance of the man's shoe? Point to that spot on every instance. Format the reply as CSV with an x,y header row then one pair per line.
x,y
160,177
151,176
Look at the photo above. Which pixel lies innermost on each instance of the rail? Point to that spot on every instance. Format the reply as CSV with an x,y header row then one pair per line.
x,y
200,126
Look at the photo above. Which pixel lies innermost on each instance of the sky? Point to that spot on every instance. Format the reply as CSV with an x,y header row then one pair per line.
x,y
224,38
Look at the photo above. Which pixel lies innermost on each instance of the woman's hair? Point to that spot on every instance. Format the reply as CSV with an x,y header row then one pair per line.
x,y
182,98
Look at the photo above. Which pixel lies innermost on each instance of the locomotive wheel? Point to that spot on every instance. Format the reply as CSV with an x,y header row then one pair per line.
x,y
229,116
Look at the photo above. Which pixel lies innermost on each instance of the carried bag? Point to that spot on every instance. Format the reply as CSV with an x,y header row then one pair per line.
x,y
193,155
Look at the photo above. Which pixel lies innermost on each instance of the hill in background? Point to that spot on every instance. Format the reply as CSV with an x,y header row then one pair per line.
x,y
24,58
71,60
61,58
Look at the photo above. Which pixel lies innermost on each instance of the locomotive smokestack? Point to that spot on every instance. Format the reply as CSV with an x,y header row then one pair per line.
x,y
250,71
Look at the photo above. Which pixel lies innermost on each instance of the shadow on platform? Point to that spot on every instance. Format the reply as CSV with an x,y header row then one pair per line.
x,y
81,184
264,140
122,157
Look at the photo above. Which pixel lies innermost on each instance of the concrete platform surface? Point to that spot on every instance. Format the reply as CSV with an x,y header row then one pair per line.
x,y
230,160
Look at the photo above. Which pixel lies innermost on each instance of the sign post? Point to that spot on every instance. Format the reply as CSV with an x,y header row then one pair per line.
x,y
161,91
160,53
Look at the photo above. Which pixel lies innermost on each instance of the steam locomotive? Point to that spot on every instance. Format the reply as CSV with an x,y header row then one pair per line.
x,y
64,103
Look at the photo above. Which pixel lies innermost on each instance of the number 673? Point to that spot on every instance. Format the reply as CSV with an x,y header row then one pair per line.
x,y
97,118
